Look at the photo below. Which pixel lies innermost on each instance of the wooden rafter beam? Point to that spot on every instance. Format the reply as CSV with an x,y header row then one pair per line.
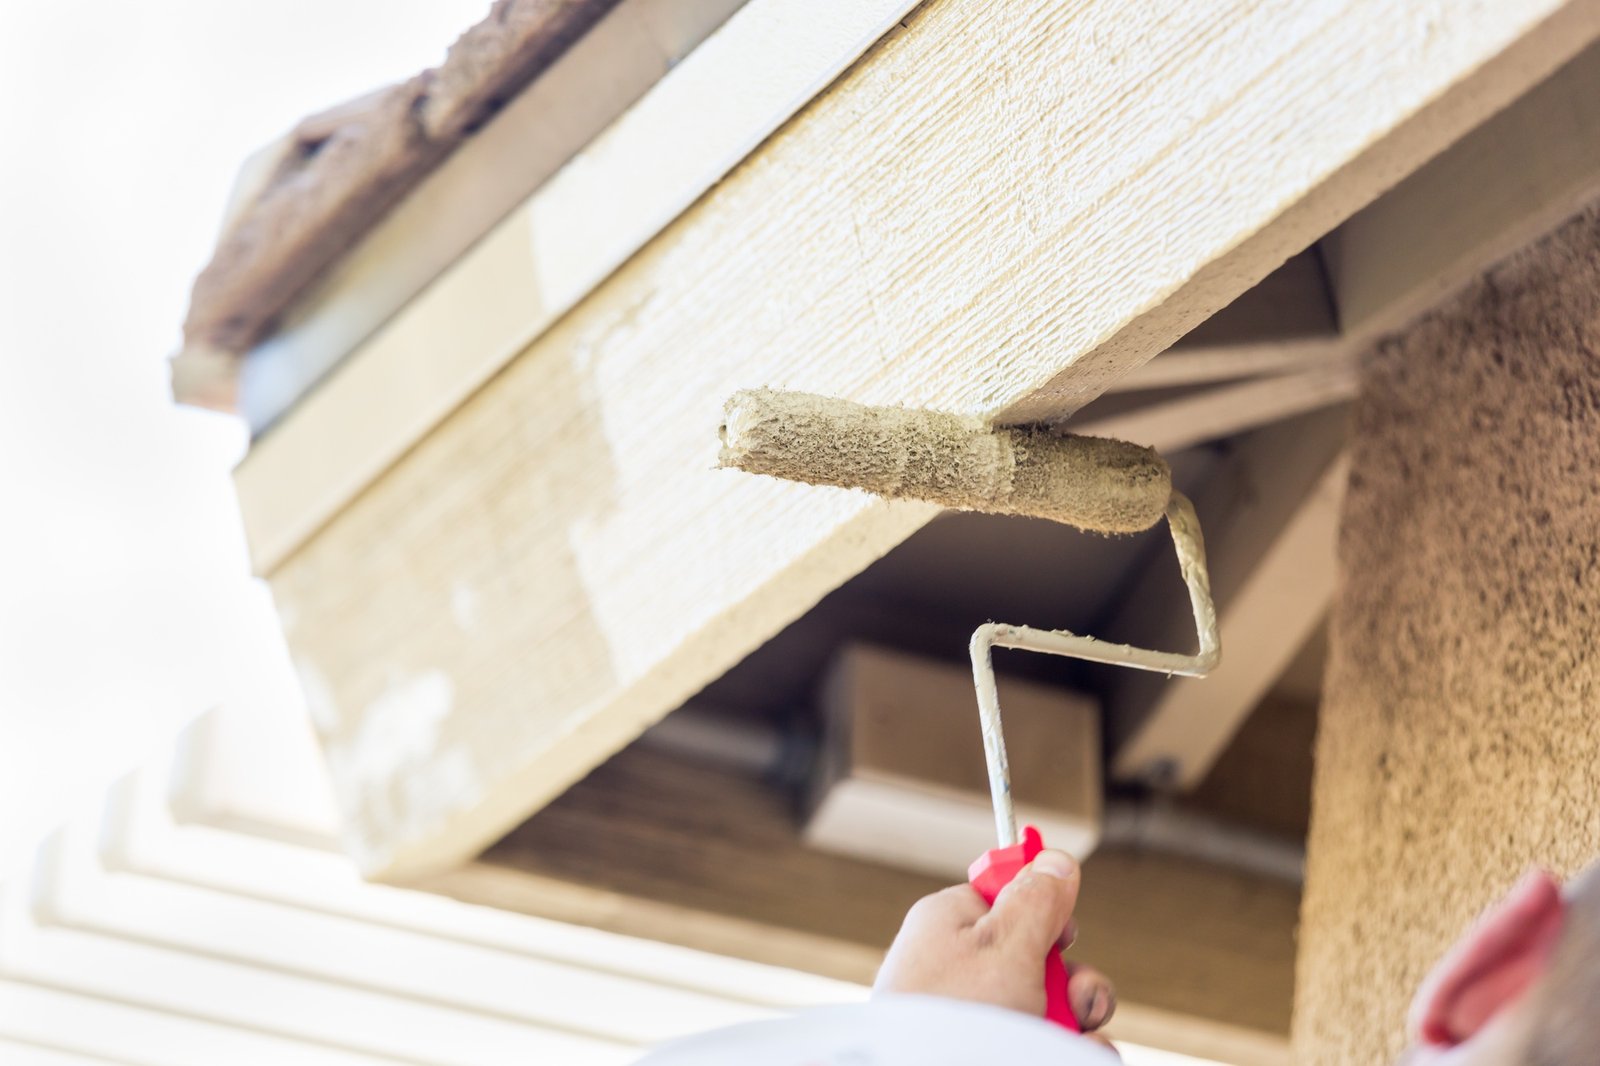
x,y
1282,325
1402,254
1215,413
1181,366
1512,180
1412,247
1000,222
1287,584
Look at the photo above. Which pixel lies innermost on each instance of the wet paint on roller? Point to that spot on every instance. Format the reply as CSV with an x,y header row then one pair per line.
x,y
956,461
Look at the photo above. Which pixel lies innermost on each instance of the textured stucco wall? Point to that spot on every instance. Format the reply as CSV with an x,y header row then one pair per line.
x,y
1460,736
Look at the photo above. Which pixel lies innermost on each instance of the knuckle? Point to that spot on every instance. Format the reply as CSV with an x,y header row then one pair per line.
x,y
933,907
1038,891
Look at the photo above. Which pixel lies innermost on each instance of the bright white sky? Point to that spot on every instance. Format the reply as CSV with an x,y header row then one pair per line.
x,y
125,602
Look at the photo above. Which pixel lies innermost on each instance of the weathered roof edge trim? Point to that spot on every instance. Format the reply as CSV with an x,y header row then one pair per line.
x,y
339,172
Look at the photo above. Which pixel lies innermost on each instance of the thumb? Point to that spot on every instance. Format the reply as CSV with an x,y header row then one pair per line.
x,y
1032,911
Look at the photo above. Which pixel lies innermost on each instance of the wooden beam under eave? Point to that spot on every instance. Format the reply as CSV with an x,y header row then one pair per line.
x,y
1001,221
1225,410
1286,323
1515,178
1271,510
1411,247
1268,619
1402,254
651,845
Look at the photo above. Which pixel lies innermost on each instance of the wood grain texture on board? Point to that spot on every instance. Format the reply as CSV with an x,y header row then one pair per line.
x,y
999,210
651,846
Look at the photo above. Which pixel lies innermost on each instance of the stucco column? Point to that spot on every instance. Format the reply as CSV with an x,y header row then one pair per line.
x,y
1460,735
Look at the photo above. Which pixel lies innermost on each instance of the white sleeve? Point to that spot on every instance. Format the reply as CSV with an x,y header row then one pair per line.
x,y
889,1031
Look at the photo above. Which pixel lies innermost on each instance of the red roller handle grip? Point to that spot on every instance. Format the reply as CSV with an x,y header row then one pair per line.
x,y
993,871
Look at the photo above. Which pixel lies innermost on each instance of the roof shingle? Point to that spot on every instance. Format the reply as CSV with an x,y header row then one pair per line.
x,y
341,171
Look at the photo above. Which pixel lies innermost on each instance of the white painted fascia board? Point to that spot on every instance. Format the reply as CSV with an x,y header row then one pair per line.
x,y
141,836
697,123
114,1031
600,76
314,1012
18,1053
386,959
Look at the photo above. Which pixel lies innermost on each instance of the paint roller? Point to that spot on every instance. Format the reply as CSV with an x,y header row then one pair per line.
x,y
965,463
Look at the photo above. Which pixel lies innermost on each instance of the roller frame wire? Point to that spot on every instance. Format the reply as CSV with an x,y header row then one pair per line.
x,y
1190,546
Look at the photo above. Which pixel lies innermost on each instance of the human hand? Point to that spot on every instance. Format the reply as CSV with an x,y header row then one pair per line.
x,y
952,944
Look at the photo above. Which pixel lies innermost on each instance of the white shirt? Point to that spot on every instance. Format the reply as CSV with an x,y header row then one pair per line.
x,y
889,1031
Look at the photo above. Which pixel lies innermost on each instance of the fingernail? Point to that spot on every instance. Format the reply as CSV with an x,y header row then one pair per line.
x,y
1055,864
1097,1008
